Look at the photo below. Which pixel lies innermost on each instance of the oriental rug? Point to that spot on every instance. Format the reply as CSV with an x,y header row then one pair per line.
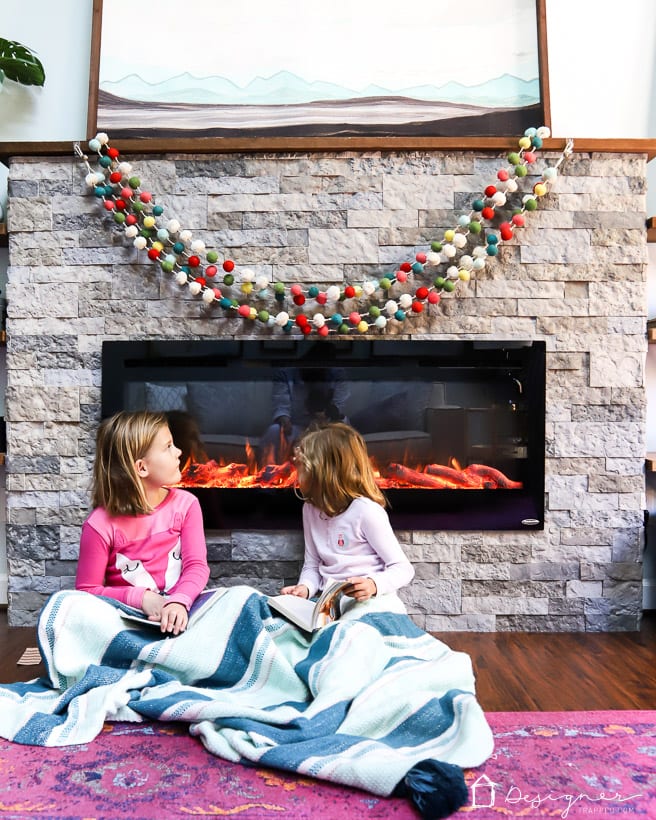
x,y
545,764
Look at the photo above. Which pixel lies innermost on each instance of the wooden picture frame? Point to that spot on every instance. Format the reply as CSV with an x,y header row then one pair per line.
x,y
280,109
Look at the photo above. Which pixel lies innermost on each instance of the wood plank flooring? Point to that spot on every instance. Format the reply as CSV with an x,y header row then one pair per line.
x,y
515,671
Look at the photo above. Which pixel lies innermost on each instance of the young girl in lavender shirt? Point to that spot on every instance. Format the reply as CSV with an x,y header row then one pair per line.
x,y
348,536
144,543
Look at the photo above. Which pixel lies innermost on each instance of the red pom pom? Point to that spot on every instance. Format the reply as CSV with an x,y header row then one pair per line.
x,y
244,310
217,293
518,219
299,299
401,276
529,156
487,212
193,261
433,298
490,190
301,320
144,196
126,193
355,318
200,280
422,293
120,204
211,270
153,254
421,258
321,298
506,231
228,265
109,204
349,291
130,219
306,329
406,267
115,177
323,330
417,307
296,290
112,152
502,174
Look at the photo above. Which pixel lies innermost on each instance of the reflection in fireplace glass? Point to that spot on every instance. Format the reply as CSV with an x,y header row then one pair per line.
x,y
455,430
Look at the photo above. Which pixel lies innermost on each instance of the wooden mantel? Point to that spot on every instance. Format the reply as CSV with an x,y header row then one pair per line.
x,y
212,145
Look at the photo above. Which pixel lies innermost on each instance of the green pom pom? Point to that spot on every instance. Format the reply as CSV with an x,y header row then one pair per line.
x,y
474,226
344,328
531,204
134,182
436,246
263,316
520,170
279,287
374,311
385,283
449,286
228,279
119,218
440,282
514,158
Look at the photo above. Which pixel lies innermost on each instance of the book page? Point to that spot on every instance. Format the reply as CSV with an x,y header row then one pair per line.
x,y
299,610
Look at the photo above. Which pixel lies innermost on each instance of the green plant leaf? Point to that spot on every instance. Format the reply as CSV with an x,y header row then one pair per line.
x,y
20,64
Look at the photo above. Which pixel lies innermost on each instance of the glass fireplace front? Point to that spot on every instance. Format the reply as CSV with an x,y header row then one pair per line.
x,y
455,429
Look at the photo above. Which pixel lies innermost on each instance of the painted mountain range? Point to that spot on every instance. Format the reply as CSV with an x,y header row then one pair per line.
x,y
285,88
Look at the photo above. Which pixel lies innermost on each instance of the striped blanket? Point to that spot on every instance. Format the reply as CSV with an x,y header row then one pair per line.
x,y
360,703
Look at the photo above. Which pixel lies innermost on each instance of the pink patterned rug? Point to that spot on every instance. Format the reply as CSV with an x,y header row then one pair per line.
x,y
546,764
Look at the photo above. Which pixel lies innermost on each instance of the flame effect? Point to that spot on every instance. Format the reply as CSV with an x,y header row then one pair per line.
x,y
393,476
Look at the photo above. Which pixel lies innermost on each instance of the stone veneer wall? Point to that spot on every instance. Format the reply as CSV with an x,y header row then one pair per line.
x,y
575,276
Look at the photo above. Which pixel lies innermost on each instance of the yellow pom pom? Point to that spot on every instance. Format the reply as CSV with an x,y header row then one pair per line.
x,y
363,327
253,314
540,189
158,246
525,143
448,235
247,287
149,222
464,275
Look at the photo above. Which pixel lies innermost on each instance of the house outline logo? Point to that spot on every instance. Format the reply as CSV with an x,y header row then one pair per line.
x,y
483,792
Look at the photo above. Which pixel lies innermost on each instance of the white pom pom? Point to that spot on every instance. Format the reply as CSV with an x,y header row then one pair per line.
x,y
499,198
208,296
247,275
452,272
544,132
173,226
449,251
198,246
433,258
318,320
131,231
140,243
90,179
391,307
262,283
466,262
124,168
282,318
332,293
369,287
511,185
479,250
102,138
460,240
381,322
185,236
181,277
195,288
405,300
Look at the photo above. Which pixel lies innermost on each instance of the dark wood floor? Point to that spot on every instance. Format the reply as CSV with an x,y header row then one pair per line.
x,y
515,671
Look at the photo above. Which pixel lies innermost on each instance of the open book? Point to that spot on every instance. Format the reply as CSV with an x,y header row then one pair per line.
x,y
197,608
311,615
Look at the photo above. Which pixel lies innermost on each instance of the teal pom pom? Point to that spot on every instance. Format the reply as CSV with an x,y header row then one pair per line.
x,y
436,789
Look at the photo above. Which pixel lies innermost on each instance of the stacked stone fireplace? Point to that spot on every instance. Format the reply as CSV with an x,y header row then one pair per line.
x,y
574,277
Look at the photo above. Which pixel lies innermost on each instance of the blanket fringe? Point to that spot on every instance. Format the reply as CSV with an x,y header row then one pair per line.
x,y
436,789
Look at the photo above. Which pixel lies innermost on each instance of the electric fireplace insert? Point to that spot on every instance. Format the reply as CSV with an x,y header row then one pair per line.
x,y
455,429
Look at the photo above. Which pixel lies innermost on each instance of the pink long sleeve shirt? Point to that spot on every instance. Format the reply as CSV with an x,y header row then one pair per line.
x,y
358,542
163,551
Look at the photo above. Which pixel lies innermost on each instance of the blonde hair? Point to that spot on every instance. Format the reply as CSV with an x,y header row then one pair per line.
x,y
121,441
338,469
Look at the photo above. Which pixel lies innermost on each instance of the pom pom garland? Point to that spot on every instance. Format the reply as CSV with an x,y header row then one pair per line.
x,y
191,265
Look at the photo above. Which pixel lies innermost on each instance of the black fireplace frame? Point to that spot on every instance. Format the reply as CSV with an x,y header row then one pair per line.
x,y
523,362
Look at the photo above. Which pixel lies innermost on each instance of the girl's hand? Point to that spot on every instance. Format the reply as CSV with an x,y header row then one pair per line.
x,y
174,618
152,604
299,590
362,588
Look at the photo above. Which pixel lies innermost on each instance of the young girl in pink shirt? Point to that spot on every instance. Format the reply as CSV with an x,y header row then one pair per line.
x,y
348,535
144,542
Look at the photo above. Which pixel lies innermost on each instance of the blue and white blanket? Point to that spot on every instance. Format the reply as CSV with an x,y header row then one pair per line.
x,y
360,703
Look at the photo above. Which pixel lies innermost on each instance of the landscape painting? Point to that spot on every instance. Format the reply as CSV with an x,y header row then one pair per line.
x,y
350,68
